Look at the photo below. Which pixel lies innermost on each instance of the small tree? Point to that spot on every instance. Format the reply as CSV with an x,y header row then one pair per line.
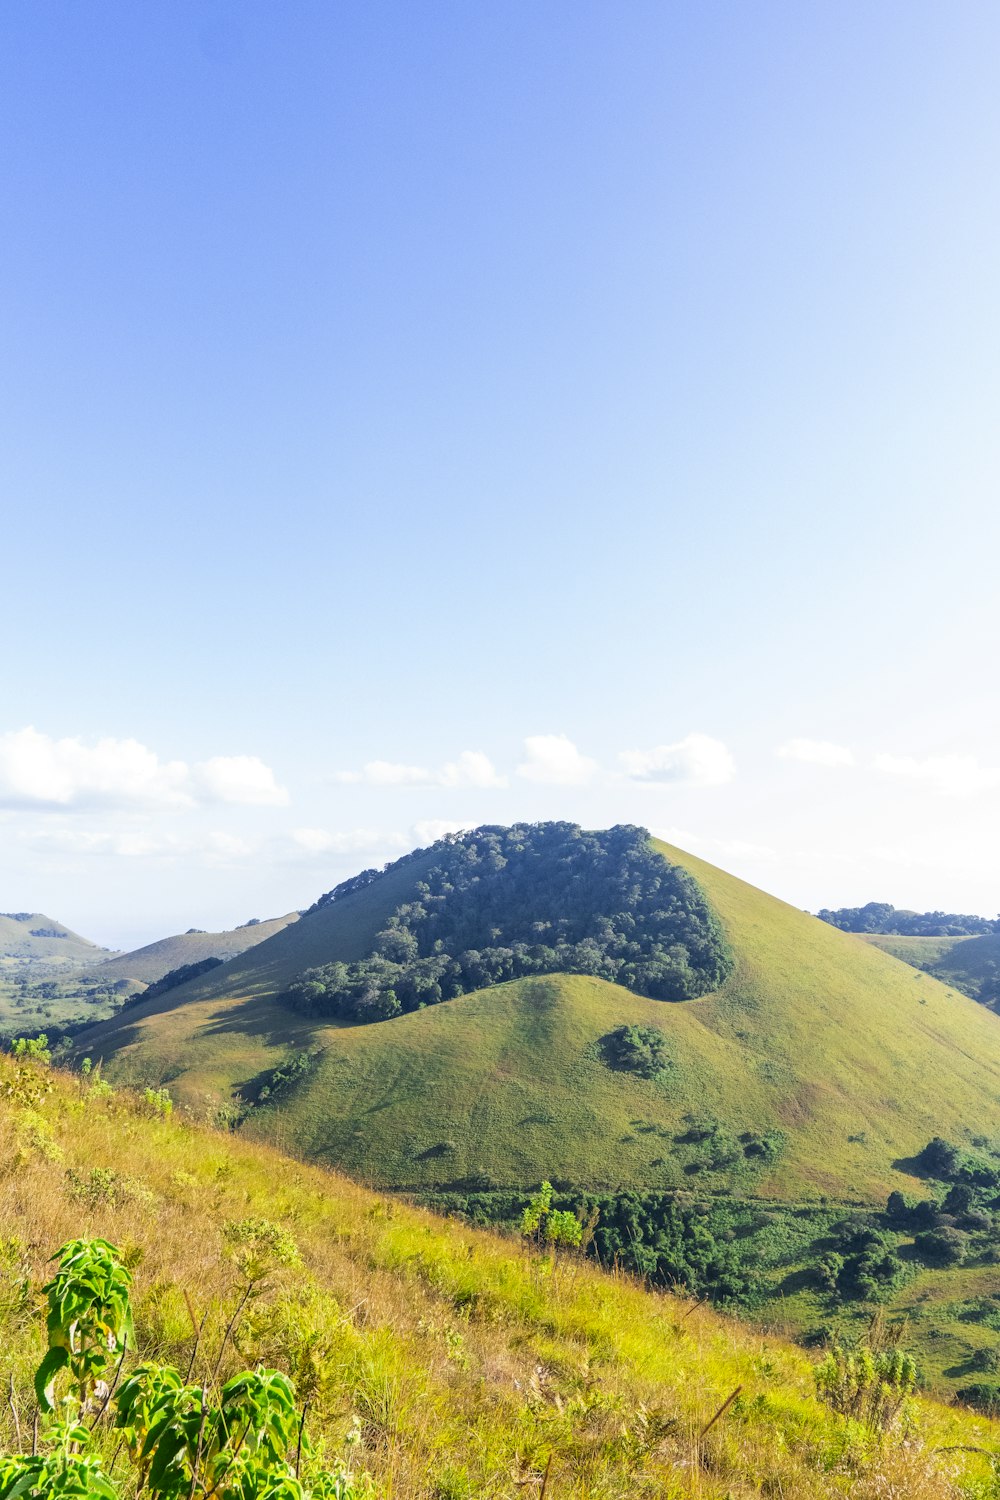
x,y
547,1225
186,1442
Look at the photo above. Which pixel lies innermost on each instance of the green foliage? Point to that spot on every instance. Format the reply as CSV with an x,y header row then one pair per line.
x,y
636,1049
864,1260
31,1049
158,1103
982,1395
186,1442
551,1226
871,1383
280,1081
879,916
29,1083
503,903
88,1318
175,977
941,1247
259,1247
669,1242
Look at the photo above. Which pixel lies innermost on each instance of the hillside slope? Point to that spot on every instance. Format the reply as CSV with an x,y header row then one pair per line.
x,y
32,937
816,1038
971,964
156,959
464,1365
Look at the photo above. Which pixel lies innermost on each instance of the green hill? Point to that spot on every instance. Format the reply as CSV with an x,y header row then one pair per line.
x,y
33,938
816,1038
156,959
444,1361
970,964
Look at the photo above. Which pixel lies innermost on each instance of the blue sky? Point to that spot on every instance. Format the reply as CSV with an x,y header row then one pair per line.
x,y
386,384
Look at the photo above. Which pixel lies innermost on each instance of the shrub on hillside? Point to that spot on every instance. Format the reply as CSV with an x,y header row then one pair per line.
x,y
983,1395
636,1049
941,1247
178,976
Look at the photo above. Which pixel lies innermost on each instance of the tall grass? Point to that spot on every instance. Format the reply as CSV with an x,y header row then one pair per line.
x,y
466,1365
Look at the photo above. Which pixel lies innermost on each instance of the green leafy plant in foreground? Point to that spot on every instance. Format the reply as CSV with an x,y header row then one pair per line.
x,y
186,1441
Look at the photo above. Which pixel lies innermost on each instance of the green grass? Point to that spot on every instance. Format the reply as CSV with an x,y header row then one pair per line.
x,y
468,1364
970,964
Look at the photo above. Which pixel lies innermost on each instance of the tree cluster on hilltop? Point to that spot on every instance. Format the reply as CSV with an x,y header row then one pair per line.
x,y
879,916
537,898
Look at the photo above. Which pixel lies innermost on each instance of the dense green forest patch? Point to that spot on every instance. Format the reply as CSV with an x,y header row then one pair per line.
x,y
503,903
881,917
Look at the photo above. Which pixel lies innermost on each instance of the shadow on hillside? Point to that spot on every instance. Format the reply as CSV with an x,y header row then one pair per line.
x,y
911,1165
797,1281
266,1021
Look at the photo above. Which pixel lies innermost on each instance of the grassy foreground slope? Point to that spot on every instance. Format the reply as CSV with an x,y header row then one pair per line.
x,y
850,1058
468,1365
156,959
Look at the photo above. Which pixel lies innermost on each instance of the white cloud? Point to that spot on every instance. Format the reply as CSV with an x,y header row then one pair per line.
x,y
470,768
65,773
698,760
387,773
553,758
212,848
354,841
950,775
36,770
124,843
816,752
239,778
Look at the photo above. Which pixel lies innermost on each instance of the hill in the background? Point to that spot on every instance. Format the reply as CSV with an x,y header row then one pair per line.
x,y
53,981
743,1143
156,959
818,1066
882,917
34,938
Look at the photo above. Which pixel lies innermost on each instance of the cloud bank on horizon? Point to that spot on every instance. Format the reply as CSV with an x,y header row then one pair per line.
x,y
71,807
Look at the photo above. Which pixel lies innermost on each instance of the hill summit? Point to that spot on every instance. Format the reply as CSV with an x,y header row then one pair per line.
x,y
496,904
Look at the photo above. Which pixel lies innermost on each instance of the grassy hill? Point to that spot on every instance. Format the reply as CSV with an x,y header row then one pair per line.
x,y
156,959
970,964
816,1036
467,1366
33,938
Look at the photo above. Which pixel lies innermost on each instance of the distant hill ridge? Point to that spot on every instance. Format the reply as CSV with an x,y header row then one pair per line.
x,y
881,917
152,962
